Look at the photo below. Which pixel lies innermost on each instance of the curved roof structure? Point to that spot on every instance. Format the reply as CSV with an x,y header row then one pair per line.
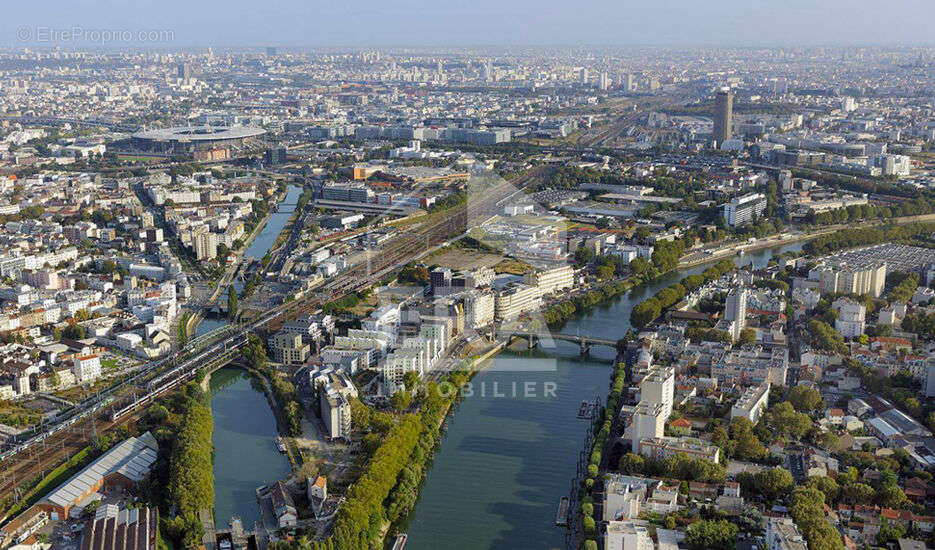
x,y
199,133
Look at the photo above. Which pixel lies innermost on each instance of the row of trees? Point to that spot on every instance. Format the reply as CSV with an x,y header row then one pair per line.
x,y
602,427
679,466
850,238
648,310
191,468
283,390
809,516
389,486
560,312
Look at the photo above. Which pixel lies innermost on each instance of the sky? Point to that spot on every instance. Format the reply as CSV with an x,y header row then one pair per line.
x,y
460,23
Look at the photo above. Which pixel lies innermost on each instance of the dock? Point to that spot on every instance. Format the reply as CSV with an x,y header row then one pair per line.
x,y
588,410
400,541
561,518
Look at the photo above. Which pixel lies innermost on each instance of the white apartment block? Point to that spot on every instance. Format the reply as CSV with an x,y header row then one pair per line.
x,y
649,421
846,279
741,210
782,534
516,299
479,309
752,403
660,448
551,280
659,387
397,364
366,339
628,535
851,317
87,368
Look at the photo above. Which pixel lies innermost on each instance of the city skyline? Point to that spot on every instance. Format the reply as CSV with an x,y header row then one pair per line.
x,y
294,24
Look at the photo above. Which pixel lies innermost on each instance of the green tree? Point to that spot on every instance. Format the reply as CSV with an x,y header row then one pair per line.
x,y
711,535
401,400
747,336
360,415
805,399
232,306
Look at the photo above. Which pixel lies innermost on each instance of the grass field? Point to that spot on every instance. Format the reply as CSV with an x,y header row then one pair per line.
x,y
458,259
513,267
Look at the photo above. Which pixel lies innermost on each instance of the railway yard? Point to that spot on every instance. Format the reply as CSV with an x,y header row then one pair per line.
x,y
33,456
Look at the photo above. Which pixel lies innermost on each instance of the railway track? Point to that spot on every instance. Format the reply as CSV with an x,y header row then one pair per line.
x,y
19,469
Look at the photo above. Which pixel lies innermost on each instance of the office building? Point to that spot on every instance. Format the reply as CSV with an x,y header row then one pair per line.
x,y
723,115
275,155
440,277
184,71
741,210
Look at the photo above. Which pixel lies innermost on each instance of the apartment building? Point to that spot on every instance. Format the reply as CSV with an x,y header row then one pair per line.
x,y
628,535
752,403
288,348
782,534
844,278
752,365
551,280
660,448
741,210
851,317
515,299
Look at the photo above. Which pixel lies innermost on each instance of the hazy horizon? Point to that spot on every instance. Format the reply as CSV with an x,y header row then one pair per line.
x,y
482,23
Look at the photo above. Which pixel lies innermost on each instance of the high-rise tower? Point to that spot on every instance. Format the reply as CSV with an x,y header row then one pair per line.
x,y
723,115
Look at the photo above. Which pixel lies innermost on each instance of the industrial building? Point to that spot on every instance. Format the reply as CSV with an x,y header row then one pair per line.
x,y
124,466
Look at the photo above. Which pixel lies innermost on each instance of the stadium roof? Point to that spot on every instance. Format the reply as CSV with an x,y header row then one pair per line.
x,y
199,133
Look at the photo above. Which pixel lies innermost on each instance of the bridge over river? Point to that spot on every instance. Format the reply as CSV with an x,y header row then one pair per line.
x,y
584,342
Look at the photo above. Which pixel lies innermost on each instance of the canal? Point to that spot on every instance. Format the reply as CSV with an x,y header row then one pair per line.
x,y
257,249
245,453
507,456
277,221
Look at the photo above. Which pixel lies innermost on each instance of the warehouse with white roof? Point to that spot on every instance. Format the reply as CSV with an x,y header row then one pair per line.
x,y
122,467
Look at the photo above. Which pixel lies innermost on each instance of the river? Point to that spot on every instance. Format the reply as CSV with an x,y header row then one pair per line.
x,y
505,461
245,453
